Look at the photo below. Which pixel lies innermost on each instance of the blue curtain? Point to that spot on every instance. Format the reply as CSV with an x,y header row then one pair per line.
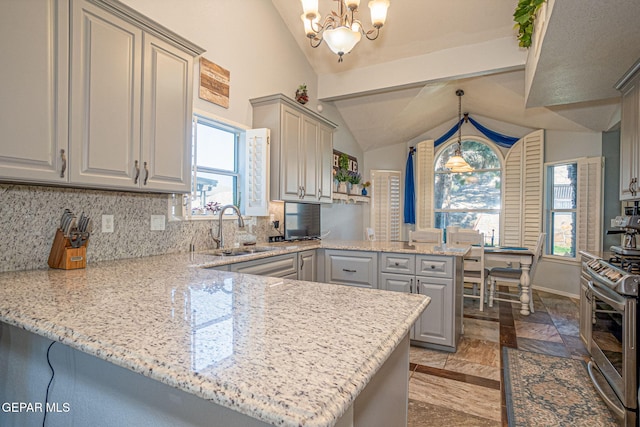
x,y
409,192
498,138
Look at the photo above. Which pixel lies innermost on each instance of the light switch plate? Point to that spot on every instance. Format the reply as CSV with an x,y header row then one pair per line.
x,y
157,222
107,223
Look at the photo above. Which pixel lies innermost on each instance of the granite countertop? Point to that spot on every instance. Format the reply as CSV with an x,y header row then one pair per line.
x,y
240,341
208,259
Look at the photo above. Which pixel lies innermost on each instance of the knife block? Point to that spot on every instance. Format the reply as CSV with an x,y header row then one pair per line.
x,y
64,256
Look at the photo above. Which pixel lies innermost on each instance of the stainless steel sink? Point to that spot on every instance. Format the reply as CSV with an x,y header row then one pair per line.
x,y
247,250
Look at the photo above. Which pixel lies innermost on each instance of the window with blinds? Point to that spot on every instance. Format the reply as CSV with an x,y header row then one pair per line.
x,y
573,201
386,209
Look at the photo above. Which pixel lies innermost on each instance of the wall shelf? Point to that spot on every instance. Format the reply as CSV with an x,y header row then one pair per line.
x,y
349,198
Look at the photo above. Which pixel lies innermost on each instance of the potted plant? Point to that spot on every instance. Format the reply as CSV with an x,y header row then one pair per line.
x,y
525,16
342,176
354,179
364,187
301,94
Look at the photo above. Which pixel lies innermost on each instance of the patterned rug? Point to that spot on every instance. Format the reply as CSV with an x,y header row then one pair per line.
x,y
544,390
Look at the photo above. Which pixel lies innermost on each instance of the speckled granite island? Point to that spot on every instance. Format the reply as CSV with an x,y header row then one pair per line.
x,y
212,348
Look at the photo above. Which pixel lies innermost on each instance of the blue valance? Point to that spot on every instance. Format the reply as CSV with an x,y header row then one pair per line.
x,y
498,138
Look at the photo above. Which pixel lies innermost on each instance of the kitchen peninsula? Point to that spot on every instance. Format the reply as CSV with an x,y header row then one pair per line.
x,y
223,348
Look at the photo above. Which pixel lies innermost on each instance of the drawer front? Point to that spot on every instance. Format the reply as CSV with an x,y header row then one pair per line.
x,y
398,263
397,282
352,268
277,266
434,266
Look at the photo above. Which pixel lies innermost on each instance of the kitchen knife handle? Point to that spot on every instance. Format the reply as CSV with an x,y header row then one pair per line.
x,y
64,163
135,180
146,173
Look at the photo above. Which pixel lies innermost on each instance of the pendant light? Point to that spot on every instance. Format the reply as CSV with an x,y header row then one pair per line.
x,y
456,163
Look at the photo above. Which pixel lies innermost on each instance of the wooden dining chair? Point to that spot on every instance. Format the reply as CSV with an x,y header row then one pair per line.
x,y
511,277
429,235
475,271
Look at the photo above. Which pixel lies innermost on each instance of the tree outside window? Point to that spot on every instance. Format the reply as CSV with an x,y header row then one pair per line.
x,y
471,199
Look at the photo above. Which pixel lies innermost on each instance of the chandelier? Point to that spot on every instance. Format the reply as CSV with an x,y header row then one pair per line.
x,y
341,30
456,163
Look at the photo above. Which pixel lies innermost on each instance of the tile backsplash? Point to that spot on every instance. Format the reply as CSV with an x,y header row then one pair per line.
x,y
30,215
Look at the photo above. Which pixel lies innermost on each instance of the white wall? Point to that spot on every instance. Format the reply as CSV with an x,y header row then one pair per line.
x,y
249,39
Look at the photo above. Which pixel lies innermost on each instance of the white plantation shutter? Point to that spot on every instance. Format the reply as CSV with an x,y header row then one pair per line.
x,y
424,176
523,191
256,180
589,204
386,212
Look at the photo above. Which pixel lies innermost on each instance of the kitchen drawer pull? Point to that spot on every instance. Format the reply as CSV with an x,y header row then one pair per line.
x,y
396,263
135,179
411,285
433,267
64,163
146,173
417,286
319,193
349,271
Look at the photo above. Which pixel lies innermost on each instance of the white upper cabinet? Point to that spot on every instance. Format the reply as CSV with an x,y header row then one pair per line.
x,y
167,107
630,136
34,43
105,98
301,149
130,104
94,95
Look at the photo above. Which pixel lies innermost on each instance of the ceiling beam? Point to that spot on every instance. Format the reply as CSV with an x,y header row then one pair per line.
x,y
489,57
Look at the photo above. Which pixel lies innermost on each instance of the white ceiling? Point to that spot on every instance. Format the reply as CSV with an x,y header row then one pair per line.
x,y
403,84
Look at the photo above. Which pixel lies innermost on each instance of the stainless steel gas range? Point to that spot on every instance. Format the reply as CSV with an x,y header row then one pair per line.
x,y
612,294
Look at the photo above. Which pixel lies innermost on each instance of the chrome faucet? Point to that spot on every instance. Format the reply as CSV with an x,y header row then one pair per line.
x,y
220,240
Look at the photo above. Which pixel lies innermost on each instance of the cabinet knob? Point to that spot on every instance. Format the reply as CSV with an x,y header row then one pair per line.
x,y
396,264
64,163
135,179
146,173
433,267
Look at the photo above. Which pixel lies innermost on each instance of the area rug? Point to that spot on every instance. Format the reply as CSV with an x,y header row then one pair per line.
x,y
544,390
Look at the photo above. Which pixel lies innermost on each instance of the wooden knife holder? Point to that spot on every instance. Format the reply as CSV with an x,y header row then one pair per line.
x,y
64,256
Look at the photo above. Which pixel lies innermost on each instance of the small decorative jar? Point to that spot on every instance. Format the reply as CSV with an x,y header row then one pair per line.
x,y
301,94
364,191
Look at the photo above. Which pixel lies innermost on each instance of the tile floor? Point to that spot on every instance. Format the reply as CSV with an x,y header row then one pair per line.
x,y
465,388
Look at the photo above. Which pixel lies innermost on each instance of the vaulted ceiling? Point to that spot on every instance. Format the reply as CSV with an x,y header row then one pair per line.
x,y
403,84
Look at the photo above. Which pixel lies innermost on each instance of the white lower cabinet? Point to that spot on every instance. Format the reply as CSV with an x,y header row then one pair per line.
x,y
307,266
284,266
353,268
437,276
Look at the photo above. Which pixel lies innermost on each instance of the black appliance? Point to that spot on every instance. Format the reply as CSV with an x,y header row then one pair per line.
x,y
301,221
613,296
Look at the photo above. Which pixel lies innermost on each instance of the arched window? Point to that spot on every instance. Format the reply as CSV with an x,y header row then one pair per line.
x,y
470,199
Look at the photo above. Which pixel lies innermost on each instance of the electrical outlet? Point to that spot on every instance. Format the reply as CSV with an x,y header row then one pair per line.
x,y
157,222
107,223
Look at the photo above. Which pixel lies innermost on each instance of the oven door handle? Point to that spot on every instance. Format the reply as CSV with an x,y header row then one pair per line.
x,y
616,409
618,303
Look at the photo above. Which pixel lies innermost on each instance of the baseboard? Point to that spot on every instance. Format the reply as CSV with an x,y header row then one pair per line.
x,y
555,292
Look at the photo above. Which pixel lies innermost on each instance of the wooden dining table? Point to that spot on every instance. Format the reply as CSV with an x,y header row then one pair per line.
x,y
511,254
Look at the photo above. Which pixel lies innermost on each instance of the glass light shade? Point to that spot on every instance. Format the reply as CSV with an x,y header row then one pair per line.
x,y
457,164
310,24
310,8
378,12
352,4
341,40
